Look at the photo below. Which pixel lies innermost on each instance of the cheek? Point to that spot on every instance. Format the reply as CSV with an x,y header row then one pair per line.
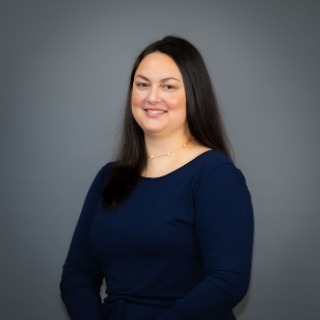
x,y
136,102
136,98
179,104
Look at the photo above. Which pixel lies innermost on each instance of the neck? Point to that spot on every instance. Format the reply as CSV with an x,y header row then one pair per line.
x,y
161,147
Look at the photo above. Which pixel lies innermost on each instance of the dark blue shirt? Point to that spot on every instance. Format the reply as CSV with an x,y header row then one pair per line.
x,y
179,247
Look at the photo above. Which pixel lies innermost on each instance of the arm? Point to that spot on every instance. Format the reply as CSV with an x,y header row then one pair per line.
x,y
82,276
224,228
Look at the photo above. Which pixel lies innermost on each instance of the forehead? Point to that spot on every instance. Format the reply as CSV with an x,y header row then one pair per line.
x,y
158,64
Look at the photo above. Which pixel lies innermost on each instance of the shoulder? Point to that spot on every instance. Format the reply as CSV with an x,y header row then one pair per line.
x,y
215,168
218,182
106,169
102,174
212,160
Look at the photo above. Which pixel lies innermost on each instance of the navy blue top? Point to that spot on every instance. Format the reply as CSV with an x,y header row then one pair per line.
x,y
178,248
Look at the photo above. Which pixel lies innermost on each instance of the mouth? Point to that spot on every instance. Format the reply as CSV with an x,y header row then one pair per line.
x,y
155,112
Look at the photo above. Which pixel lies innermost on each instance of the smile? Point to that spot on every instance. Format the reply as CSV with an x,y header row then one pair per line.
x,y
155,111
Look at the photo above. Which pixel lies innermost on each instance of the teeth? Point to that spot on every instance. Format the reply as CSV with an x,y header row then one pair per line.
x,y
155,111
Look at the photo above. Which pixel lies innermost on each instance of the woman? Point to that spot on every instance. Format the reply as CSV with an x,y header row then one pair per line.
x,y
169,225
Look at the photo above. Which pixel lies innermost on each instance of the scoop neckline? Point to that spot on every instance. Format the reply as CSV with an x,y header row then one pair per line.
x,y
178,169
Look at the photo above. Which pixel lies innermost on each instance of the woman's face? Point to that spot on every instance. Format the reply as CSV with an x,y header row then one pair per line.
x,y
158,96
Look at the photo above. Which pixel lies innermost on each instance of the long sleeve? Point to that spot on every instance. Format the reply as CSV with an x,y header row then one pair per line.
x,y
82,275
181,247
224,228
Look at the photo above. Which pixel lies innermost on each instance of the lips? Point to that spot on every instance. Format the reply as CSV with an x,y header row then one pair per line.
x,y
155,112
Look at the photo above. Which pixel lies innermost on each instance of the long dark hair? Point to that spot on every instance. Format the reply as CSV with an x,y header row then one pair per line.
x,y
203,118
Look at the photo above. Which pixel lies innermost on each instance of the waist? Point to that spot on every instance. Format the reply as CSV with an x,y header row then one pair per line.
x,y
131,308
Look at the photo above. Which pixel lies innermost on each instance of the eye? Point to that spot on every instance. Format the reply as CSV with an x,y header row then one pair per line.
x,y
169,87
141,85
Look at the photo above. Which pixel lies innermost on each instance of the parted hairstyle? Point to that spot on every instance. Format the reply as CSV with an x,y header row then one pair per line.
x,y
203,118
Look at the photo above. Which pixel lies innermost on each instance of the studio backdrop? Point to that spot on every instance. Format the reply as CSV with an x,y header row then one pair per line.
x,y
65,67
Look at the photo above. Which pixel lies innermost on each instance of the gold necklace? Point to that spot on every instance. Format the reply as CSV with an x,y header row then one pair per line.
x,y
168,154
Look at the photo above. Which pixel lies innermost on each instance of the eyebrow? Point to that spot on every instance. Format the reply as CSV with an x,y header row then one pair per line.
x,y
162,80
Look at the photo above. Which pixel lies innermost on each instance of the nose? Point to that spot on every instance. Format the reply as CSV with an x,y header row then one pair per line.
x,y
154,96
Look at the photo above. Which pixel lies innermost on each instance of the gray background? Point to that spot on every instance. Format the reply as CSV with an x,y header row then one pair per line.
x,y
64,73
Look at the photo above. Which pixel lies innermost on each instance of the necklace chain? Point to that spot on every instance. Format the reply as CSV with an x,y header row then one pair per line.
x,y
168,154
